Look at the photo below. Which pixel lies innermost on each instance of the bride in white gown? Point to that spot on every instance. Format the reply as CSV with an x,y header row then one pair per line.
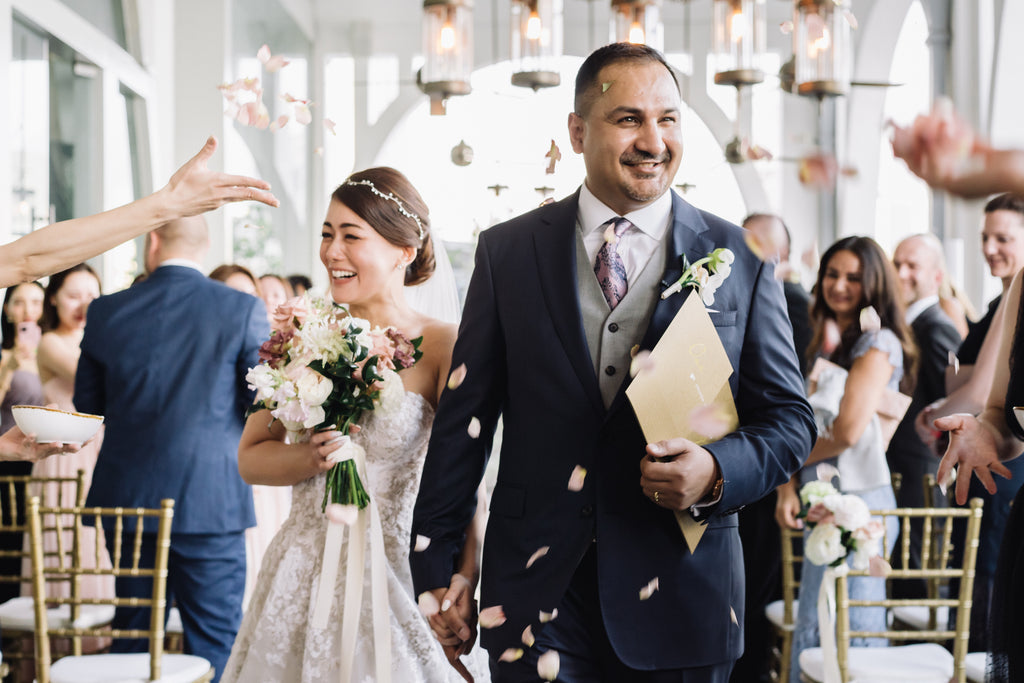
x,y
375,240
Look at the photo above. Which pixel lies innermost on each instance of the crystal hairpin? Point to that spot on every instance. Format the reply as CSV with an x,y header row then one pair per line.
x,y
390,197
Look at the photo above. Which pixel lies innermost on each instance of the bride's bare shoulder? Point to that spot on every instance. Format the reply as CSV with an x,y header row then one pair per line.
x,y
438,336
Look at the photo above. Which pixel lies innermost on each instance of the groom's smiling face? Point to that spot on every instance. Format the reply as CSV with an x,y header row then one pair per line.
x,y
629,133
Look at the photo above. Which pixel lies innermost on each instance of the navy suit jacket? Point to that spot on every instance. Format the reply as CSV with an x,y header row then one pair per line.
x,y
165,362
525,350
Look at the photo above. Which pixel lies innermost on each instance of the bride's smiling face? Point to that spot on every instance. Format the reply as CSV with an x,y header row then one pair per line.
x,y
362,265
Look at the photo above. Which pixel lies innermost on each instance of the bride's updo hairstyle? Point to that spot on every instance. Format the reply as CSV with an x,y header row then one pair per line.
x,y
386,200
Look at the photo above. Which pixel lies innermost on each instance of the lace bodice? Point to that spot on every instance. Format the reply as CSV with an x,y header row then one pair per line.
x,y
276,642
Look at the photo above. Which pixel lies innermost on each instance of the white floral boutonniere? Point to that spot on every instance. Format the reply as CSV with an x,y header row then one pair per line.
x,y
705,275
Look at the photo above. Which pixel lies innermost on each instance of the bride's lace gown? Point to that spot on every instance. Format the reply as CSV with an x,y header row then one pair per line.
x,y
277,644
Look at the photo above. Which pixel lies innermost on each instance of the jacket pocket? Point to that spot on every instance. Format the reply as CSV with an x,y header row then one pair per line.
x,y
723,318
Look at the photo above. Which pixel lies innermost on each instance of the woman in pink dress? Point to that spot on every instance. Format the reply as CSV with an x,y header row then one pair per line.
x,y
68,295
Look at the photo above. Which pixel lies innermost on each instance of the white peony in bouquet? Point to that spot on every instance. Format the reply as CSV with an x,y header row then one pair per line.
x,y
840,524
322,369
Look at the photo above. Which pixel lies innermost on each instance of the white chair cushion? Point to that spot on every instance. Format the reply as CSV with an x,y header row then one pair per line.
x,y
923,663
975,663
174,626
775,611
18,614
127,668
916,616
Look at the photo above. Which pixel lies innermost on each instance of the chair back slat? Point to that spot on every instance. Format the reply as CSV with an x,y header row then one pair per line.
x,y
937,523
71,566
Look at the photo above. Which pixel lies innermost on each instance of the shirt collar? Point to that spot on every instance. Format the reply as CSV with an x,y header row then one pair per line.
x,y
920,306
652,220
184,262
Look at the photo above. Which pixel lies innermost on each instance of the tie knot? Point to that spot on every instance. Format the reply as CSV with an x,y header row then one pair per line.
x,y
619,225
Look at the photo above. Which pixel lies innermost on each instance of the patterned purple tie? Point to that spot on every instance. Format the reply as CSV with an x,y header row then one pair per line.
x,y
610,271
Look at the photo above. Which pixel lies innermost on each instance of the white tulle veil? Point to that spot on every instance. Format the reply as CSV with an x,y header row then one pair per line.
x,y
438,297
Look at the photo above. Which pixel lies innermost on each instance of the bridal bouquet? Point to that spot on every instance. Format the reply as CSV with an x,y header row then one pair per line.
x,y
840,524
322,369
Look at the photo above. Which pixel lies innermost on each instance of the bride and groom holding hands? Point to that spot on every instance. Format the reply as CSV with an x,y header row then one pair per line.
x,y
559,300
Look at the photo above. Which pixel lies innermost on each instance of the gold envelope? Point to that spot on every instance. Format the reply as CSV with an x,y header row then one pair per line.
x,y
688,369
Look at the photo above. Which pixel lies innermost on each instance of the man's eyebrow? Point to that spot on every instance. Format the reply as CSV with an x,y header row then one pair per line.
x,y
623,109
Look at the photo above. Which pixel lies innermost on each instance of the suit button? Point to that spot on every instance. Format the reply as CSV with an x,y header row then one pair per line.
x,y
587,511
613,327
610,370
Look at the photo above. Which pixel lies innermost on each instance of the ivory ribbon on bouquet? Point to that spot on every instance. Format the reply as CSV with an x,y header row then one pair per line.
x,y
827,621
367,523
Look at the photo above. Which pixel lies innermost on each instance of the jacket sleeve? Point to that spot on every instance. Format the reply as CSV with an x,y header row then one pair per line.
x,y
90,392
455,461
257,331
777,427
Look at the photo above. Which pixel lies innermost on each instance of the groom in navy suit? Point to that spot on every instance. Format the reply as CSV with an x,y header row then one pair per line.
x,y
558,299
165,362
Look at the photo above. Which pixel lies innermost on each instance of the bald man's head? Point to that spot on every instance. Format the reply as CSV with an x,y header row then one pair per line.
x,y
920,265
186,238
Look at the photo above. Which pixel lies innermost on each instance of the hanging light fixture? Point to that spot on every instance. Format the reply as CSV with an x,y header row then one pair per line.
x,y
823,47
536,42
637,21
448,49
739,41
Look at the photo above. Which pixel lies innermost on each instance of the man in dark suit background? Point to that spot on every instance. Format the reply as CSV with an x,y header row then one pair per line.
x,y
919,265
165,362
759,532
547,346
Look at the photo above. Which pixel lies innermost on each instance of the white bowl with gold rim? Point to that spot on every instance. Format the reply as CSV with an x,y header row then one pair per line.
x,y
52,425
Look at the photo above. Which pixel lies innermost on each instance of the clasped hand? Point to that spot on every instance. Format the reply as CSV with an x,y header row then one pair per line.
x,y
454,624
677,473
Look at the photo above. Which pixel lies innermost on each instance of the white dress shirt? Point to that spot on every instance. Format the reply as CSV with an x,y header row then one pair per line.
x,y
638,243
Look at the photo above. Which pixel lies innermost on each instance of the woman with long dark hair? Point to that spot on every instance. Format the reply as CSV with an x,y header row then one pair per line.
x,y
855,274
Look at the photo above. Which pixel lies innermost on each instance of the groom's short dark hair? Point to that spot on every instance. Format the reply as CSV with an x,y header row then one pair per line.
x,y
586,77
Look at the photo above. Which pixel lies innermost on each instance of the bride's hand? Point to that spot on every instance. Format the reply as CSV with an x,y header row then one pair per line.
x,y
455,624
323,444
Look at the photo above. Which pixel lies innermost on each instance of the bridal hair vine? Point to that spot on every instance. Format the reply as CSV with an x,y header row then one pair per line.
x,y
390,197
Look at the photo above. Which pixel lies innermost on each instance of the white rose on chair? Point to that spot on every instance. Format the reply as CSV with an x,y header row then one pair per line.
x,y
825,545
850,512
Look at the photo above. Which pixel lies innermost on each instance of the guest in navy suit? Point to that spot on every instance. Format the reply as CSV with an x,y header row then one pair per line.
x,y
165,362
547,347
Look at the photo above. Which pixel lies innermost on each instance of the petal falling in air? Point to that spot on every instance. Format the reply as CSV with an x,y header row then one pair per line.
x,y
869,320
547,665
641,363
545,617
955,362
511,654
428,604
647,591
576,478
457,377
831,337
877,566
826,471
711,420
528,639
302,114
474,428
492,617
554,155
271,63
947,480
422,543
541,552
329,125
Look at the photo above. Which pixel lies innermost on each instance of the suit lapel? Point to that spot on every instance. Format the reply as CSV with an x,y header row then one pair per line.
x,y
686,239
555,248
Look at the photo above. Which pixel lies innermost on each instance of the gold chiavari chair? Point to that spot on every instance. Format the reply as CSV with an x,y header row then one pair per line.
x,y
929,618
17,616
124,527
782,613
923,661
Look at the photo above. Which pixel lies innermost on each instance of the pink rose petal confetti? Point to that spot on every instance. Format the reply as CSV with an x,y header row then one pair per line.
x,y
281,121
541,552
576,478
947,480
422,543
319,151
303,115
474,428
818,170
826,471
786,27
609,234
850,19
955,362
877,566
342,514
511,654
545,617
831,337
647,591
732,616
869,320
492,617
641,363
712,421
329,125
457,377
271,63
555,156
428,604
528,639
548,665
